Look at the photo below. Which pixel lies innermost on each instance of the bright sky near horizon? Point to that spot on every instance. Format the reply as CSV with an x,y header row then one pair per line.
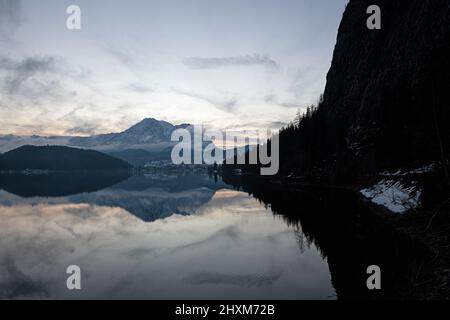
x,y
226,63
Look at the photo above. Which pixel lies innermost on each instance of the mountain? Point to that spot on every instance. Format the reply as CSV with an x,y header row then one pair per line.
x,y
10,142
149,134
145,141
59,158
385,105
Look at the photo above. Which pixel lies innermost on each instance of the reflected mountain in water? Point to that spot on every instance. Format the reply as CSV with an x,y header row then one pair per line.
x,y
204,239
232,248
149,197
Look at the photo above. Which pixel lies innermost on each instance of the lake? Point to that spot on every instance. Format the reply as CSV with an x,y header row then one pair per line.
x,y
186,237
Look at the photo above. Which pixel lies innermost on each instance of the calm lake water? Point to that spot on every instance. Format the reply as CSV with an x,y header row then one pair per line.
x,y
152,237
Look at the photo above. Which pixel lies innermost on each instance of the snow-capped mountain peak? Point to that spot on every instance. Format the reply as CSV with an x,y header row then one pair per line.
x,y
147,134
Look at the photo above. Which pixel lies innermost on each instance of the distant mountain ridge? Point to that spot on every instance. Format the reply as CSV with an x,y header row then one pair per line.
x,y
147,132
59,158
147,141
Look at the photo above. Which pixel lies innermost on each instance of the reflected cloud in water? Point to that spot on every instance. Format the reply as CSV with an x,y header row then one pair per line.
x,y
222,244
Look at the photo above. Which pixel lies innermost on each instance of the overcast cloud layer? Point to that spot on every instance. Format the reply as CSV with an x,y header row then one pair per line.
x,y
224,63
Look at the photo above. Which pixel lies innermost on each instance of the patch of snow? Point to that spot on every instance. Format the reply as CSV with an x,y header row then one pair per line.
x,y
393,195
391,174
424,169
399,173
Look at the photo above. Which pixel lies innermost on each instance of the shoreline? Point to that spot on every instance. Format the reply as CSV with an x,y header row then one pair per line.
x,y
430,228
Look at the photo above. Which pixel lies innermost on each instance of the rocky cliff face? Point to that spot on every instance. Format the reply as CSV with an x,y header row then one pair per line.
x,y
387,100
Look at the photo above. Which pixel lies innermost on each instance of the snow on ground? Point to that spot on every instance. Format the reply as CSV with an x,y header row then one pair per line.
x,y
399,173
393,195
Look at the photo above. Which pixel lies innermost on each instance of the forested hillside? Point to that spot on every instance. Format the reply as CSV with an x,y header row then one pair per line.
x,y
59,158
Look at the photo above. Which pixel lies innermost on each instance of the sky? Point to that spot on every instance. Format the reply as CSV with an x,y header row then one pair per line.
x,y
227,64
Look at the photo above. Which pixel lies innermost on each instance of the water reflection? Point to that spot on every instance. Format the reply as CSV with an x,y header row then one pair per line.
x,y
149,197
156,238
349,235
58,184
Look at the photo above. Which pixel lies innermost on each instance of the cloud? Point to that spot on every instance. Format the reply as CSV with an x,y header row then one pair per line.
x,y
139,88
39,80
125,58
15,284
228,105
17,72
10,17
36,89
83,129
250,280
80,121
231,232
272,125
275,100
238,61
